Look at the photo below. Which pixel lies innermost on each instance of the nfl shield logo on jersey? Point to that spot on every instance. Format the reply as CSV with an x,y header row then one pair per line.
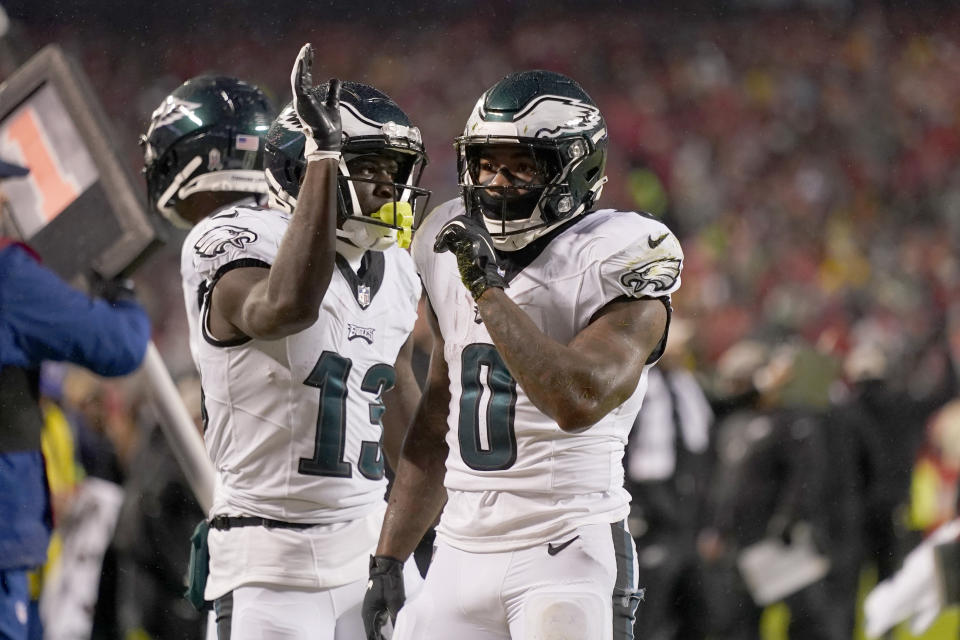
x,y
363,295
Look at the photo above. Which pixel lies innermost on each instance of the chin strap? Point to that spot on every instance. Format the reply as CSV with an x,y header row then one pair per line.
x,y
181,177
277,198
174,218
597,189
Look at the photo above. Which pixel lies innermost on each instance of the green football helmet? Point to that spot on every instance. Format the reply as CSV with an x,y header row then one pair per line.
x,y
205,136
373,124
552,117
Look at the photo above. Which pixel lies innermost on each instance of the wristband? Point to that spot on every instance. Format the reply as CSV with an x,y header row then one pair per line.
x,y
311,152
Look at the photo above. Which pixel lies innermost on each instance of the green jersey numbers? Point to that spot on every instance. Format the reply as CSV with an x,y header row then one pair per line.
x,y
487,404
379,378
329,375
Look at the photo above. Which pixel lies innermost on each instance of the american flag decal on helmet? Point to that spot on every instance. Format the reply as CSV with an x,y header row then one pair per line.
x,y
246,143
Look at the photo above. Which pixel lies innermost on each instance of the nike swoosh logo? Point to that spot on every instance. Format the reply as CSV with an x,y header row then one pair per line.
x,y
554,550
655,243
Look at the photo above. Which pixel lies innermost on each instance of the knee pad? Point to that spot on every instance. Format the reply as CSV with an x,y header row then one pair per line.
x,y
567,615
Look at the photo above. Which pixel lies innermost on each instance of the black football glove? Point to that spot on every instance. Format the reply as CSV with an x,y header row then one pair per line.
x,y
320,119
384,595
111,289
470,241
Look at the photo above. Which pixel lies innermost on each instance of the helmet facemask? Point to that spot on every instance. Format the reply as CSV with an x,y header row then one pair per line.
x,y
391,223
517,213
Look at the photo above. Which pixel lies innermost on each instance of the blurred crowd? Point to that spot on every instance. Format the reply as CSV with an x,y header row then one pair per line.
x,y
808,161
122,510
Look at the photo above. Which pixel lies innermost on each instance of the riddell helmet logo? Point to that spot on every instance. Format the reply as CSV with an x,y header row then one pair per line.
x,y
356,331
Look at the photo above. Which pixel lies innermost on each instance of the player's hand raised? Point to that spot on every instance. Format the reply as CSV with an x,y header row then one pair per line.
x,y
470,242
319,117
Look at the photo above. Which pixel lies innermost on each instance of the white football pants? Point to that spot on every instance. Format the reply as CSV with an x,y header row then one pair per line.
x,y
279,613
581,588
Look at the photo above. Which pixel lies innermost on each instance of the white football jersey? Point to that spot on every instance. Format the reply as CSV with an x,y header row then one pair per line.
x,y
193,283
514,478
293,425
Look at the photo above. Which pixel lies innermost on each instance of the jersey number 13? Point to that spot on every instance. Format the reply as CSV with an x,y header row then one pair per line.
x,y
329,375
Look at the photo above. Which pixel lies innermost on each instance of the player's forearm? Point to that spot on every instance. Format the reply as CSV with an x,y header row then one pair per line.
x,y
291,295
418,494
570,386
417,497
401,405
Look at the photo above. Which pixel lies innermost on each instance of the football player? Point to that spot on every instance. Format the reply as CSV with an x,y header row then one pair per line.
x,y
547,314
304,353
204,151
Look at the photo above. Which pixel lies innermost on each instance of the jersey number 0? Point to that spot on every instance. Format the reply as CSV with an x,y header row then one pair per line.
x,y
484,374
330,376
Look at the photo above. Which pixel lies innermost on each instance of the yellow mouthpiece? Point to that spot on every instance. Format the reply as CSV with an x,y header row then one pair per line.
x,y
399,214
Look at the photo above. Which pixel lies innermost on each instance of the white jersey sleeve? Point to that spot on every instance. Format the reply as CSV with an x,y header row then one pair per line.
x,y
646,266
194,282
236,237
636,256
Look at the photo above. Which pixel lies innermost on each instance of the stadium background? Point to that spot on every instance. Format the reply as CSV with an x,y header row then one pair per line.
x,y
804,152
